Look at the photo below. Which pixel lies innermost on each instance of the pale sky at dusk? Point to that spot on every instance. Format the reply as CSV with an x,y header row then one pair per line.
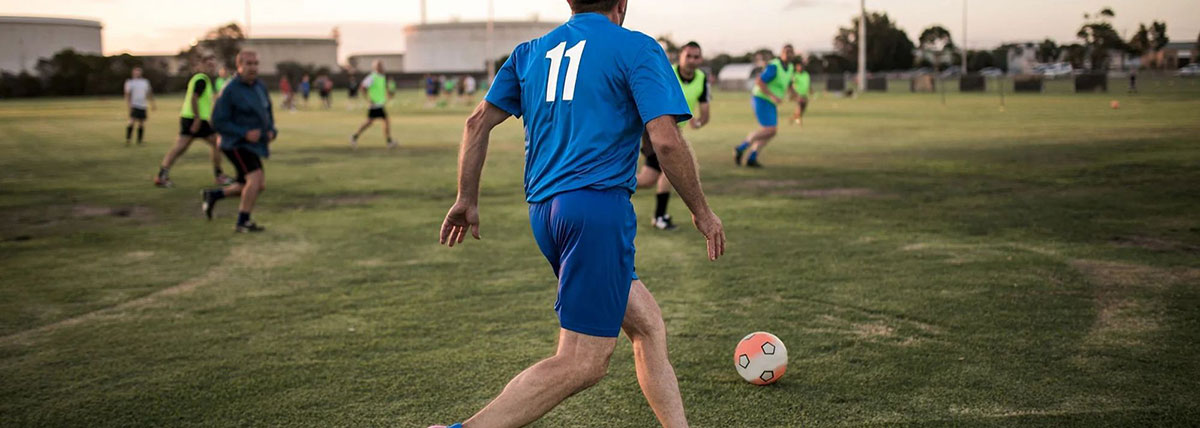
x,y
165,26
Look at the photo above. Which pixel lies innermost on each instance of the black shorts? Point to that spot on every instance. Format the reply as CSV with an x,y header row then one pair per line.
x,y
244,161
376,113
185,128
324,94
137,113
652,162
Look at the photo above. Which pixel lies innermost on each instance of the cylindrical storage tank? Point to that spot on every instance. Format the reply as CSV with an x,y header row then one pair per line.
x,y
24,40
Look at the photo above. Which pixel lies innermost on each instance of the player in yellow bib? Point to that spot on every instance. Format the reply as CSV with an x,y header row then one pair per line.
x,y
376,87
802,84
770,88
695,85
194,122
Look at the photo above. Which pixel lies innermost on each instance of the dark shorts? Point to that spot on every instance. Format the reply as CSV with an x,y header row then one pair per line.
x,y
587,236
324,94
244,161
376,113
185,128
652,162
137,113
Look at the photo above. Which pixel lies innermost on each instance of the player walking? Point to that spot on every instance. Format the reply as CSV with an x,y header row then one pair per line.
x,y
583,143
376,86
696,90
246,121
802,87
770,88
194,122
137,93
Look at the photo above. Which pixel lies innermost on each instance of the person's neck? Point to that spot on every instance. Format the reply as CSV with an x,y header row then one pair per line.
x,y
612,15
687,74
247,80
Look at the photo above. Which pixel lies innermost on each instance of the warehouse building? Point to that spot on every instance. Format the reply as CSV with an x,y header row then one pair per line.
x,y
24,40
462,47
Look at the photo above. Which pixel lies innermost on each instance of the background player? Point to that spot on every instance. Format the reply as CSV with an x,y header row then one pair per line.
x,y
582,155
376,86
194,122
246,121
696,91
802,87
138,96
770,88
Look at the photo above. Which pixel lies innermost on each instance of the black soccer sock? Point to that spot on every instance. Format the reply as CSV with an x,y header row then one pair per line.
x,y
163,172
128,132
243,218
141,132
660,208
217,171
216,194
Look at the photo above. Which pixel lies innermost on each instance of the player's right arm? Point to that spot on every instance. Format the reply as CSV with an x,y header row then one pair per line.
x,y
471,155
767,76
128,98
199,90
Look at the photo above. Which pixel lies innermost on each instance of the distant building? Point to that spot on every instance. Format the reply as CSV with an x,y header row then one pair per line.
x,y
392,62
25,39
737,77
319,52
1172,56
461,47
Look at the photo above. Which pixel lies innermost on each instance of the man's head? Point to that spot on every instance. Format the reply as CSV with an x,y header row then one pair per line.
x,y
247,65
799,65
208,64
787,53
614,9
377,66
690,57
136,72
223,72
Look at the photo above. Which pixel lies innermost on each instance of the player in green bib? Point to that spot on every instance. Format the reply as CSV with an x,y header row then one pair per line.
x,y
194,122
770,88
695,85
222,80
803,89
376,87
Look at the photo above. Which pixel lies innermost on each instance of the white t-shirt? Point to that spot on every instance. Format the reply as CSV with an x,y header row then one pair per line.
x,y
469,84
137,89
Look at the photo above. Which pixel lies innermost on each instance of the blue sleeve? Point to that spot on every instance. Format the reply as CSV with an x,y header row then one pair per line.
x,y
223,113
505,92
768,74
655,88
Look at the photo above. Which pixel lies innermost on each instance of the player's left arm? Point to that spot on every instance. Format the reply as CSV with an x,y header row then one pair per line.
x,y
705,98
150,96
471,156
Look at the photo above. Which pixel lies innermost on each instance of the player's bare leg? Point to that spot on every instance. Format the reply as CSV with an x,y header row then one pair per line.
x,y
163,178
215,155
644,326
354,138
255,184
581,362
387,133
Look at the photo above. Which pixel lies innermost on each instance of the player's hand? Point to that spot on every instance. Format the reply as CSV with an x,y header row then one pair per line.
x,y
253,135
270,135
714,232
195,126
694,123
777,99
462,216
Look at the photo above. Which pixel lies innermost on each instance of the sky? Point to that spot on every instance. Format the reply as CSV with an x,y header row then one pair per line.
x,y
732,26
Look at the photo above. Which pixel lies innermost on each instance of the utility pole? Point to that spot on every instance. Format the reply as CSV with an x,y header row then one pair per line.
x,y
862,47
423,12
247,32
491,30
964,49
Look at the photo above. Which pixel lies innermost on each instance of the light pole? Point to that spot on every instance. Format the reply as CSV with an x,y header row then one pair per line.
x,y
247,32
964,40
491,29
862,47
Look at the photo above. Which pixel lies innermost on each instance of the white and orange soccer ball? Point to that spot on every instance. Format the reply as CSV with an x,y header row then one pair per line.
x,y
760,358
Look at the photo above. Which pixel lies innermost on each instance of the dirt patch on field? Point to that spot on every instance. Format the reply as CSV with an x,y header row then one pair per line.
x,y
836,192
338,201
1127,299
797,188
1153,244
253,256
92,211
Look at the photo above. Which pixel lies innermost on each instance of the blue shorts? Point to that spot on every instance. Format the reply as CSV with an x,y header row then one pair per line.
x,y
587,236
765,111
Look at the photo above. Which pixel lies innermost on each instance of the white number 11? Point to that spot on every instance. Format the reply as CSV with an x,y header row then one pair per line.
x,y
556,56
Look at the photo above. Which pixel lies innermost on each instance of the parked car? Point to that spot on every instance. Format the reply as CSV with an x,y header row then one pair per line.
x,y
951,71
1059,69
991,72
1190,70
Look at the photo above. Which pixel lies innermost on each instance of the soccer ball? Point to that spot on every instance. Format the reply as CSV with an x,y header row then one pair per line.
x,y
760,358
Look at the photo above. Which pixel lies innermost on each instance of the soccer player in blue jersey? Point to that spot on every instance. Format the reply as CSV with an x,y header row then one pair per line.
x,y
770,88
587,91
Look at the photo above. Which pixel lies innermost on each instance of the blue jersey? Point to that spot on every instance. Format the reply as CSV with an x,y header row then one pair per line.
x,y
586,91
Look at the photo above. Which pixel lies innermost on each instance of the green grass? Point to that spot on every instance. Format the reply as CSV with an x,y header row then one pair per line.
x,y
954,265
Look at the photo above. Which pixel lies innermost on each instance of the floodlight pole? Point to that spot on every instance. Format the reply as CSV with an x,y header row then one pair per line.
x,y
247,32
964,49
862,47
491,29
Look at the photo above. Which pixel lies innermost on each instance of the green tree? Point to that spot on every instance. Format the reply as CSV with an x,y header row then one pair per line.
x,y
936,45
224,42
1048,51
1100,38
888,47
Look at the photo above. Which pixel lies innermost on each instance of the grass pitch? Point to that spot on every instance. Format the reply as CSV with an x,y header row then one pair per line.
x,y
955,265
